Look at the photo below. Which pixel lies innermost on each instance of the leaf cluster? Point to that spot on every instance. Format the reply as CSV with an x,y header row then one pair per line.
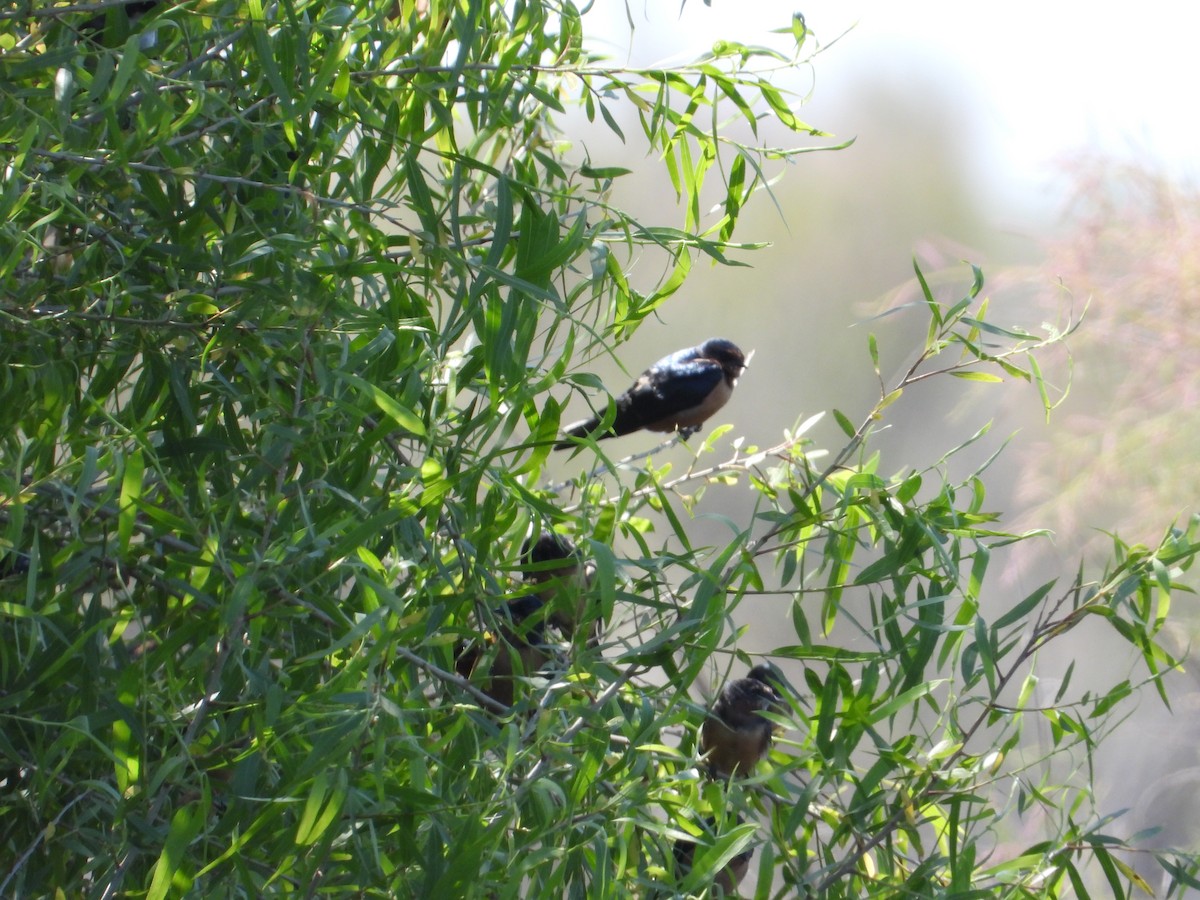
x,y
293,296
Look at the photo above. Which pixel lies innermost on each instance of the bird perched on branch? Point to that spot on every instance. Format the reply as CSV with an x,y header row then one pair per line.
x,y
120,19
735,736
555,565
677,393
557,570
520,649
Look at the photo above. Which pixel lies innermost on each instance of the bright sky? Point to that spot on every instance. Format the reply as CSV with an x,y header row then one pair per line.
x,y
1044,79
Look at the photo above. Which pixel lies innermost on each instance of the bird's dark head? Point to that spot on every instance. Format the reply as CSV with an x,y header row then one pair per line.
x,y
743,699
727,353
562,578
769,676
521,608
549,548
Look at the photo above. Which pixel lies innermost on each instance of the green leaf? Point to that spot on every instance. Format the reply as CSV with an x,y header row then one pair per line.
x,y
836,654
987,653
935,310
987,377
888,400
845,424
1024,607
129,58
902,701
420,198
323,805
603,172
400,415
799,29
169,875
131,494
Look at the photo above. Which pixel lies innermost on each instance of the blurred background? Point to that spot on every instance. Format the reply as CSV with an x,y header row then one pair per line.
x,y
1051,145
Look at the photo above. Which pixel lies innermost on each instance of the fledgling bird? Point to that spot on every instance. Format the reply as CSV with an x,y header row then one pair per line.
x,y
523,649
122,18
677,393
563,578
734,736
730,875
560,577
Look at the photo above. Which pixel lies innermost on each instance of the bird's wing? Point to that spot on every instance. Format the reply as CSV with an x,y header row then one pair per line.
x,y
666,390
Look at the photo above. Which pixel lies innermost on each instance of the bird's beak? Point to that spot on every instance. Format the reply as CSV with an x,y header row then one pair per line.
x,y
746,362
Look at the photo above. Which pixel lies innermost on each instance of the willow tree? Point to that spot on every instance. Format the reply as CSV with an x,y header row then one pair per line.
x,y
293,297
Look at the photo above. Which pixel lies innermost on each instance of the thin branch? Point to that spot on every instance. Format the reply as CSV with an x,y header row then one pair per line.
x,y
575,727
452,678
42,834
1035,642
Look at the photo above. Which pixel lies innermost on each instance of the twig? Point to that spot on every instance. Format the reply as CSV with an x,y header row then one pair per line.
x,y
612,468
41,836
575,727
1034,643
451,678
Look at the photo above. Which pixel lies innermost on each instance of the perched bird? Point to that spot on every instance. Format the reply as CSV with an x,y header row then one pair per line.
x,y
522,649
115,24
14,563
734,736
677,393
729,877
560,577
563,577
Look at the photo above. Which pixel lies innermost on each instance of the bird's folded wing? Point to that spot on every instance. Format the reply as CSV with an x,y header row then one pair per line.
x,y
660,394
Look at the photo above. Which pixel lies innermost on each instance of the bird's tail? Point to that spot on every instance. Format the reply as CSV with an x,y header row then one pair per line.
x,y
579,429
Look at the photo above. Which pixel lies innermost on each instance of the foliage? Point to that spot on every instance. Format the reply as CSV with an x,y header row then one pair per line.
x,y
293,297
1131,250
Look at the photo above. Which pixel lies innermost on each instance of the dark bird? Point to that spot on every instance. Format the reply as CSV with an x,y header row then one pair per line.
x,y
735,736
519,648
14,563
730,875
555,565
677,393
114,25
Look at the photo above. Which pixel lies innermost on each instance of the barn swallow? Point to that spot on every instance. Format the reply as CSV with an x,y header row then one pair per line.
x,y
730,875
734,736
677,393
562,576
123,17
522,651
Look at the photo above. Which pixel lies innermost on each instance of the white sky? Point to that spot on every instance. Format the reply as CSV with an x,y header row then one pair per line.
x,y
1044,79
